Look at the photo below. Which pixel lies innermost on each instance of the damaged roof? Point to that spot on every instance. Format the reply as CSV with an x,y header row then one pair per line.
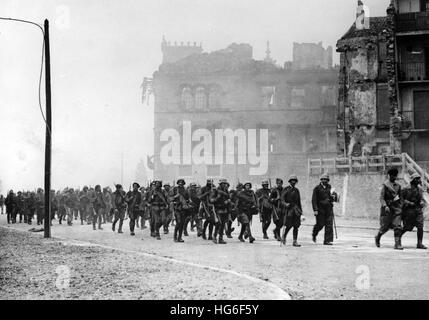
x,y
376,26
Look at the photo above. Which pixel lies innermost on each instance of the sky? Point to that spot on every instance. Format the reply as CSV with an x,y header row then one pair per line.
x,y
100,52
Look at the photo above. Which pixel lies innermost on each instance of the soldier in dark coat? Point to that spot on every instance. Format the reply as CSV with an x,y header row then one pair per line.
x,y
323,202
1,203
291,200
10,203
220,199
247,207
412,213
234,211
391,209
20,210
276,198
205,210
134,199
167,214
157,201
99,206
40,206
31,207
86,209
193,216
180,201
265,206
119,207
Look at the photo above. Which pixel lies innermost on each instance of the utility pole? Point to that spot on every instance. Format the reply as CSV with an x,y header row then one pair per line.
x,y
47,224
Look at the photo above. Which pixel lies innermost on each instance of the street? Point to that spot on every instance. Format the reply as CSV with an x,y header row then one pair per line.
x,y
351,269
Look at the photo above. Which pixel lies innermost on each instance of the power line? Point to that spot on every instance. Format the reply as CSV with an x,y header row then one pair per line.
x,y
41,64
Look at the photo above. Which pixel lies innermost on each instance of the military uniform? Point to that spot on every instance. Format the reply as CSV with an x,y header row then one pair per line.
x,y
412,213
180,199
85,206
193,212
247,207
322,202
221,202
265,207
119,207
291,199
134,199
205,210
31,207
157,199
1,203
98,205
279,209
40,206
10,203
20,210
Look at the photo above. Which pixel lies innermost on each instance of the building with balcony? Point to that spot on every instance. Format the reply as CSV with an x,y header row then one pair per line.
x,y
384,84
225,114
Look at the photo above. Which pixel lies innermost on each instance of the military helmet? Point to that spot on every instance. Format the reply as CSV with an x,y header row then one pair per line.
x,y
97,187
209,181
136,184
193,185
278,180
415,176
85,188
393,172
294,177
265,183
118,187
239,186
166,184
324,176
248,184
181,181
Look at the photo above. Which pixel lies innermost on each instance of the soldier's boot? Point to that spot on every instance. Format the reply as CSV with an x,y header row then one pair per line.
x,y
210,232
240,237
228,234
420,244
158,236
114,226
214,239
185,229
165,230
398,245
295,238
377,239
120,226
221,241
179,238
175,234
265,235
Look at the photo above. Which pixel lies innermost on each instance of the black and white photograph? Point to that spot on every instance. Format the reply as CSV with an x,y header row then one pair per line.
x,y
216,151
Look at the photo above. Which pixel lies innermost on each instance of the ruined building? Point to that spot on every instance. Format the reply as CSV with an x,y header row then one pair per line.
x,y
384,84
225,114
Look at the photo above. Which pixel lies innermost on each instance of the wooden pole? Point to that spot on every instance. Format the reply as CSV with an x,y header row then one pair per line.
x,y
47,220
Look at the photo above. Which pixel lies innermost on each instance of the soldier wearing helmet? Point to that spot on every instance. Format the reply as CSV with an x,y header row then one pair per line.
x,y
180,200
205,210
412,212
221,201
247,207
265,206
276,193
291,200
119,207
157,201
322,202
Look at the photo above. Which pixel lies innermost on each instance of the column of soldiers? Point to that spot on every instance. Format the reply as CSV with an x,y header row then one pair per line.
x,y
212,209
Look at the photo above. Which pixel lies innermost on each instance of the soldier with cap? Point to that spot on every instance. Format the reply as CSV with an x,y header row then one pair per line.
x,y
180,199
158,204
291,200
119,207
323,203
265,206
412,213
247,207
134,199
220,200
391,209
206,211
276,193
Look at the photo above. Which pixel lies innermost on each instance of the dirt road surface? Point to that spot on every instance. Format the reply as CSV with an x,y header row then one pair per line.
x,y
107,265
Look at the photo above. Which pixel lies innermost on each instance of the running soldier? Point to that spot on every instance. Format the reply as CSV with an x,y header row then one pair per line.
x,y
265,207
99,206
391,209
247,207
412,213
134,199
158,204
221,202
277,205
322,201
205,211
291,200
180,199
119,207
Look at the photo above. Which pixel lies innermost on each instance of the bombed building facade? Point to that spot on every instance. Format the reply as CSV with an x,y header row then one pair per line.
x,y
224,114
384,84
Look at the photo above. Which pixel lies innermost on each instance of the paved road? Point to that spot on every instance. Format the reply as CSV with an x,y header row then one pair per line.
x,y
352,269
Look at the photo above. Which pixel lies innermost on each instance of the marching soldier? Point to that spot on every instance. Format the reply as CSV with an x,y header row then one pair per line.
x,y
193,212
119,208
220,200
40,205
276,198
20,206
265,206
31,207
158,203
85,205
205,211
134,199
234,209
1,203
322,202
247,207
10,203
391,209
291,200
167,214
108,201
413,209
180,199
99,206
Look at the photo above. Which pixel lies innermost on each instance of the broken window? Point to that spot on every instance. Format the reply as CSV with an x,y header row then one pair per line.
x,y
269,96
186,98
200,98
